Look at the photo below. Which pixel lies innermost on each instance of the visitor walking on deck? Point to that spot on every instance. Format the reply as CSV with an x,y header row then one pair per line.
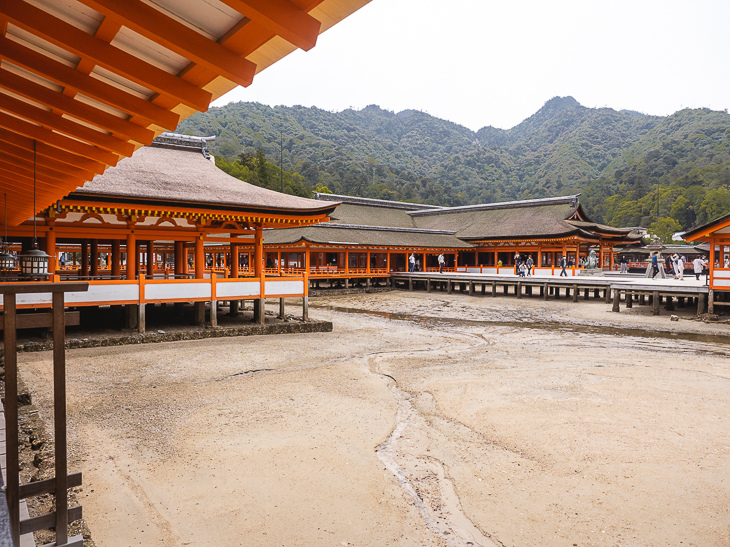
x,y
442,261
563,265
412,261
529,263
654,265
698,264
624,265
679,267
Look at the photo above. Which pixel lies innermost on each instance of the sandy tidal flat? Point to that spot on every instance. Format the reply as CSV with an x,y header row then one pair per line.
x,y
422,420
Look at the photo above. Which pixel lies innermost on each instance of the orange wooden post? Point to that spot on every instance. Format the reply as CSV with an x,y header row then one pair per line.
x,y
84,258
131,256
199,258
179,258
258,261
116,257
94,257
51,250
234,260
150,258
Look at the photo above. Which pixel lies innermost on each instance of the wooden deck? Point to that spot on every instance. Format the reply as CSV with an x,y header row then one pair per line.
x,y
611,288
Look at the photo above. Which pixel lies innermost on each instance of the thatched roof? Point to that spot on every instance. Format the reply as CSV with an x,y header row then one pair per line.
x,y
156,174
535,218
368,236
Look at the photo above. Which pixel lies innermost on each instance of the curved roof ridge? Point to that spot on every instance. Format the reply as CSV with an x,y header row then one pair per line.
x,y
377,202
572,199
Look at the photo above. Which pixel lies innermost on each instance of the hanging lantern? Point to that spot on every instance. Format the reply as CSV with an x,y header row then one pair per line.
x,y
34,263
7,259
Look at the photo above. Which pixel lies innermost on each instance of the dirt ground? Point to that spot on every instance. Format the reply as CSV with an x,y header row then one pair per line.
x,y
422,420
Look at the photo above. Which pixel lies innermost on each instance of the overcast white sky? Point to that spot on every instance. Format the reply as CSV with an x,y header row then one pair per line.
x,y
484,62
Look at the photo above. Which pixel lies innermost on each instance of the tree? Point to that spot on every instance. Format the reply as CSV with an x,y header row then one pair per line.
x,y
664,229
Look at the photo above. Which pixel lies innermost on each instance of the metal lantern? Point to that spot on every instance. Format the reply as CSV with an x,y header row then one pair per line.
x,y
7,259
34,263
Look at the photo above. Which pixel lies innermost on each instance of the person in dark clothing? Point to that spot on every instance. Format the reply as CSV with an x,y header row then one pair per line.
x,y
654,265
518,261
668,265
563,264
529,263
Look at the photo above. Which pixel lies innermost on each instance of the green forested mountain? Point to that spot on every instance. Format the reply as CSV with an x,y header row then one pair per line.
x,y
631,169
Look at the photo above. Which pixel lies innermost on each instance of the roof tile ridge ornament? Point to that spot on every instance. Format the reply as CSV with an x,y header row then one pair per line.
x,y
178,141
377,202
572,200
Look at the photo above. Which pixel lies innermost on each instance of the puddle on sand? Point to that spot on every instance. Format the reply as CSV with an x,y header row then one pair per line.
x,y
580,328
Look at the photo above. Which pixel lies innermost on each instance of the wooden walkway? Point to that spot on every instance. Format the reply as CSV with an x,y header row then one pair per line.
x,y
613,289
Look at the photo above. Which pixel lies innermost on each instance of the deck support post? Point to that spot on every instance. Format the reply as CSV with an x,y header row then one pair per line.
x,y
670,303
368,283
258,311
596,293
585,294
505,288
711,301
471,288
616,301
282,313
199,313
428,285
607,294
132,318
410,284
629,299
347,284
141,318
213,313
518,289
494,288
448,286
642,299
701,300
544,290
305,308
575,293
484,289
656,300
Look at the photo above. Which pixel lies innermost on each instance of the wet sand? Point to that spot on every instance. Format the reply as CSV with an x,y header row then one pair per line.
x,y
423,420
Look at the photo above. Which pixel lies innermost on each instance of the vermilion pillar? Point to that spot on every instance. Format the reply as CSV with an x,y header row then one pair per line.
x,y
199,258
131,256
116,258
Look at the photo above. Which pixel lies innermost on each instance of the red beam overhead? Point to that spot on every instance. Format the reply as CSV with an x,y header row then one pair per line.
x,y
86,82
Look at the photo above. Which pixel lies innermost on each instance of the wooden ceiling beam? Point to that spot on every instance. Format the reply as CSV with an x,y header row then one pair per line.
x,y
86,46
64,104
166,31
58,123
59,141
283,17
22,157
42,173
68,77
51,152
15,185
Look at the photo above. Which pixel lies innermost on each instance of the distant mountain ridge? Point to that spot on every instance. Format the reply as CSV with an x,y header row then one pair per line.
x,y
624,163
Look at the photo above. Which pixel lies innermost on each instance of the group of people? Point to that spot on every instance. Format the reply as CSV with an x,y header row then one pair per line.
x,y
523,268
674,265
414,264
